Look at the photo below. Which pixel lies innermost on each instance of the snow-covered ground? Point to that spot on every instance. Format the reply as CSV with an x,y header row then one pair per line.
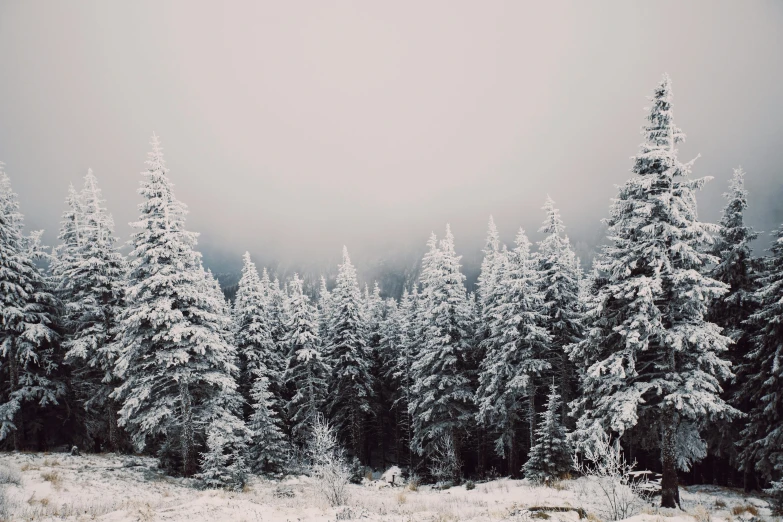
x,y
120,488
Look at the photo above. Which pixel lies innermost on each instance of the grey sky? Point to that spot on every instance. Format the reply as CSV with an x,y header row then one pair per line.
x,y
292,128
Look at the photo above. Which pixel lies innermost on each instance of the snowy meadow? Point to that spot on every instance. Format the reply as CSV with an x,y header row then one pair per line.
x,y
120,488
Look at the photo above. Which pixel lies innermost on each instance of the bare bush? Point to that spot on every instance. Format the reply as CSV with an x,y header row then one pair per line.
x,y
446,465
609,480
328,464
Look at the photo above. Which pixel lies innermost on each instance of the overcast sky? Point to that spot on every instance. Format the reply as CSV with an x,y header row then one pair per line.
x,y
294,127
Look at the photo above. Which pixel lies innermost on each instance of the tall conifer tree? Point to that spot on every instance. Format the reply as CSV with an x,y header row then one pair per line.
x,y
652,359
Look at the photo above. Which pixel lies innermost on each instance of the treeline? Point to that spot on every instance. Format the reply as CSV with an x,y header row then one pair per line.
x,y
671,343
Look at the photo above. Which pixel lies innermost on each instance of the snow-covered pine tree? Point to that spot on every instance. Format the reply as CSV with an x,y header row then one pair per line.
x,y
559,276
488,290
29,356
258,354
651,359
516,351
381,420
350,383
175,362
224,463
737,268
762,438
399,341
441,403
268,448
278,317
324,310
550,458
391,332
307,372
90,277
64,255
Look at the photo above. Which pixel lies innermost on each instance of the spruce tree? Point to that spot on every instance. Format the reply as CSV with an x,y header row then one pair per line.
x,y
762,438
350,384
737,268
559,276
90,277
175,362
400,342
324,310
651,359
516,353
258,353
488,286
550,457
268,448
30,378
278,317
442,398
307,373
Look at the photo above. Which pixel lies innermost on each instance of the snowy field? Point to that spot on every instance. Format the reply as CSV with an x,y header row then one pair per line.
x,y
120,488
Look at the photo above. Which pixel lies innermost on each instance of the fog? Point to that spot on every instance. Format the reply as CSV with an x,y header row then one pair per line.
x,y
292,128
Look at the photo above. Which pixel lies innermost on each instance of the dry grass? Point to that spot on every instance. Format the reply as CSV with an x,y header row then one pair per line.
x,y
745,508
54,477
402,498
592,518
719,503
701,514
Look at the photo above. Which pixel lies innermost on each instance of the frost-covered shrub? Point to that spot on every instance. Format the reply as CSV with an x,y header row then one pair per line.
x,y
446,465
10,476
327,463
470,485
608,480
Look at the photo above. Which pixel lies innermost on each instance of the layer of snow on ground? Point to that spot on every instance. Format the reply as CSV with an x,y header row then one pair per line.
x,y
120,488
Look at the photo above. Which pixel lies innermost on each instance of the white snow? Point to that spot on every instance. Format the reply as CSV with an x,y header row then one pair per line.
x,y
119,489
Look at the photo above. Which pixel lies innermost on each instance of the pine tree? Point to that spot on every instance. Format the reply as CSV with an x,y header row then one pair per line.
x,y
175,359
550,458
257,350
736,268
269,448
762,438
324,310
307,372
90,277
651,359
278,317
350,384
400,345
224,463
29,357
488,286
516,350
441,400
559,276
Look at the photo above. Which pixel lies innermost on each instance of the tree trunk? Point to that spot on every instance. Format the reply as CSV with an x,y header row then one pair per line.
x,y
670,492
14,376
114,438
531,414
188,435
